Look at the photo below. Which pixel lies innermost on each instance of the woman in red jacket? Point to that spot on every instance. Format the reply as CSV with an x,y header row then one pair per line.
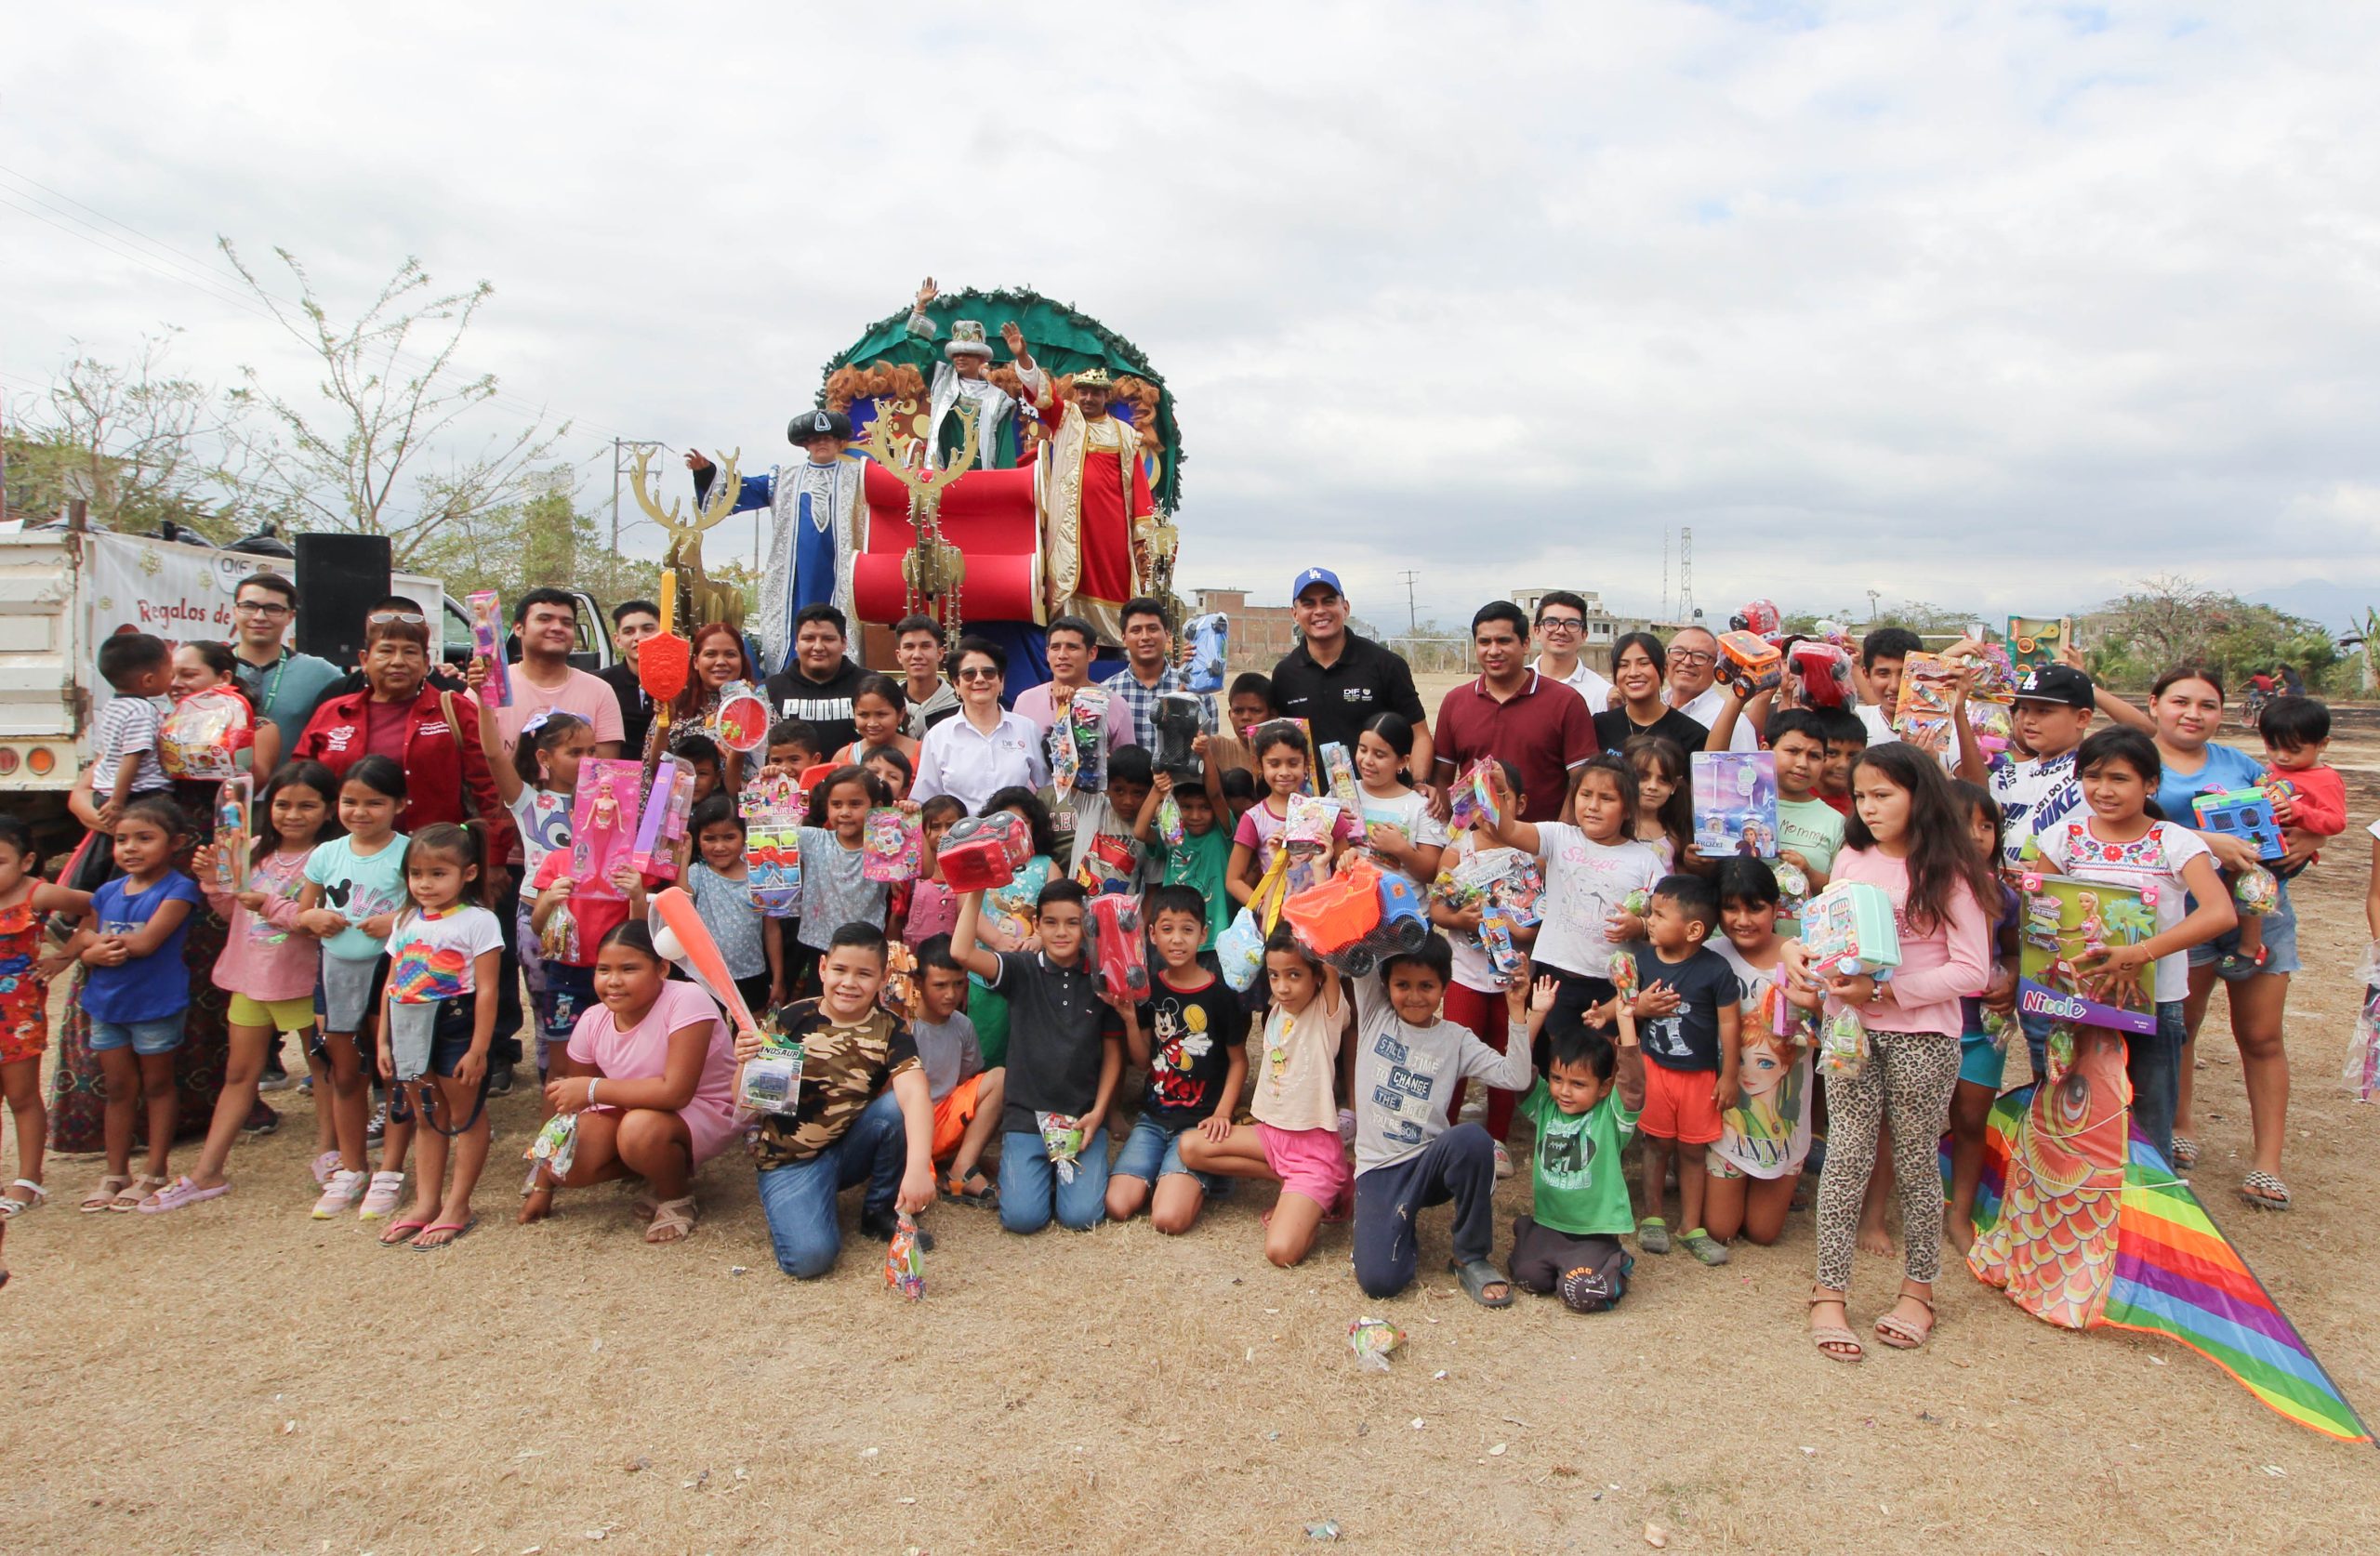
x,y
434,735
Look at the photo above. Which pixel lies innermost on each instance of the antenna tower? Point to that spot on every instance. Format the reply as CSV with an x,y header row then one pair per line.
x,y
1685,574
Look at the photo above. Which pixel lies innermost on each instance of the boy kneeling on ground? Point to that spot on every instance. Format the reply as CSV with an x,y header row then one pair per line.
x,y
1408,1062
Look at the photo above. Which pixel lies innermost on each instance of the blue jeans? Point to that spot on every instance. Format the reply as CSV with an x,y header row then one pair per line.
x,y
1030,1187
799,1199
2151,1061
146,1038
1151,1152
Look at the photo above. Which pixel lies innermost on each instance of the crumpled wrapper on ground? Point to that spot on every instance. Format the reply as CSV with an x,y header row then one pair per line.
x,y
556,1145
1373,1339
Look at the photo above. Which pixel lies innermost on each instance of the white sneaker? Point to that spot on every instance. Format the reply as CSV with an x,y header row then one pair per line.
x,y
1503,1162
343,1190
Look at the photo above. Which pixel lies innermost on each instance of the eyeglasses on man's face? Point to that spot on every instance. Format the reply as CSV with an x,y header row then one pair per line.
x,y
262,608
1692,656
1561,624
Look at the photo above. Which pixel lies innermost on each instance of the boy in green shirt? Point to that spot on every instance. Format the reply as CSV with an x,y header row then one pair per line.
x,y
1570,1241
1202,860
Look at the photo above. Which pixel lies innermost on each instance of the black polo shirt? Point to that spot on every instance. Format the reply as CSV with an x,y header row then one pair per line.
x,y
1338,700
635,708
824,705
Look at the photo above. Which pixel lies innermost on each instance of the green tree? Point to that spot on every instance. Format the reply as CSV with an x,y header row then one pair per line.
x,y
2171,620
341,463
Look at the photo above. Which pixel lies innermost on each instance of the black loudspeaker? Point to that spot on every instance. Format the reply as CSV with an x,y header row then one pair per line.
x,y
340,577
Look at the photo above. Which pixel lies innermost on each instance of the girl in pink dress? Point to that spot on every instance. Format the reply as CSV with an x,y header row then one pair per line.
x,y
651,1074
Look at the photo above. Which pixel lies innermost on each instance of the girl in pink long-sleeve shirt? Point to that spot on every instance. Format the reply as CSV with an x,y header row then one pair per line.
x,y
1905,835
269,965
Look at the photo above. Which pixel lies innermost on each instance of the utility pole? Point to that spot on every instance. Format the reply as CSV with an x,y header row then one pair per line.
x,y
1685,574
1871,607
1413,615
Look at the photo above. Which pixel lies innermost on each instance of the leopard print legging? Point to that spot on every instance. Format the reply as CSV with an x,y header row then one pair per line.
x,y
1907,1084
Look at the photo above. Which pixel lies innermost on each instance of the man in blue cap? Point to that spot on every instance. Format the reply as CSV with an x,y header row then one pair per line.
x,y
1336,679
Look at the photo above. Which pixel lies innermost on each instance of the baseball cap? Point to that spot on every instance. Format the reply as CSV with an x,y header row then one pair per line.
x,y
2062,684
1312,577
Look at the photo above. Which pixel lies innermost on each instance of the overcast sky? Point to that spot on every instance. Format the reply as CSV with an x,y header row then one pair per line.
x,y
1998,306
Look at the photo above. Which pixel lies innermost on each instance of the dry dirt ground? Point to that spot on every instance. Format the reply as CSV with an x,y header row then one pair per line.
x,y
238,1378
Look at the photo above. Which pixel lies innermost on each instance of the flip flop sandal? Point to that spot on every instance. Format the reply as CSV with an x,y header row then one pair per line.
x,y
986,1197
181,1192
2265,1191
1898,1332
11,1207
1836,1342
140,1189
103,1196
1477,1276
460,1233
401,1233
673,1220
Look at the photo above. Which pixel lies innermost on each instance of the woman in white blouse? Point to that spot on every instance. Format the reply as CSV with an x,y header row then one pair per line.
x,y
985,749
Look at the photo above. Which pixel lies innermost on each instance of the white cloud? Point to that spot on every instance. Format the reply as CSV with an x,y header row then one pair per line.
x,y
1994,305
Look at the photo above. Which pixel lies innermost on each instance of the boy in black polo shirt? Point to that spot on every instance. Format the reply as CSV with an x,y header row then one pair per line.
x,y
1065,1052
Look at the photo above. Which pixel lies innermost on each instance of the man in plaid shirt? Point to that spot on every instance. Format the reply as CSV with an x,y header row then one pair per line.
x,y
1149,671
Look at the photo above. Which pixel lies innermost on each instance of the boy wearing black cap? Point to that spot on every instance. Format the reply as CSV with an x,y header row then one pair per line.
x,y
2053,709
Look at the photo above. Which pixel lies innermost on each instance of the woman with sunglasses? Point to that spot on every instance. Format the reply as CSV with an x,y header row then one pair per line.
x,y
987,748
432,733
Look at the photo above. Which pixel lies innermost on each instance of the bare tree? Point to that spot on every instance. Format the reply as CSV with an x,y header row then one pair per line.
x,y
143,445
387,413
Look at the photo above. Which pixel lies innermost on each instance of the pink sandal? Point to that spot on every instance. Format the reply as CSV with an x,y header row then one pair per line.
x,y
181,1192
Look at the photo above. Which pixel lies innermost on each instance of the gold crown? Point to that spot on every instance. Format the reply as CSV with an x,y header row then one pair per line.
x,y
1093,378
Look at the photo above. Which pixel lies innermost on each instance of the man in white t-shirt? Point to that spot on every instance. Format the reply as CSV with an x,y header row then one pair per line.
x,y
1883,653
1562,628
1694,687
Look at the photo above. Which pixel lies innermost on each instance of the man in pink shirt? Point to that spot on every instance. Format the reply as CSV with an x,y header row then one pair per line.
x,y
546,621
1069,648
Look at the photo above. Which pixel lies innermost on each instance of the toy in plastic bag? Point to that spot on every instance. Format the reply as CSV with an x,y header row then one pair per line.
x,y
558,941
2256,891
1471,798
771,1080
893,847
1338,768
556,1146
1169,830
774,806
1175,724
1999,1027
900,995
1239,951
204,733
1063,1138
1078,740
1118,945
2363,1050
1496,925
1929,684
234,811
741,720
1842,1045
1209,651
1308,826
905,1261
488,643
1373,1339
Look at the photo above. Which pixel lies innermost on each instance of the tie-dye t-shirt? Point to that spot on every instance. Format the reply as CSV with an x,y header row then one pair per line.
x,y
431,955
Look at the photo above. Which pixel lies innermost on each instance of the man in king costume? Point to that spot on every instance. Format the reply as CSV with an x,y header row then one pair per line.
x,y
964,374
819,524
1092,493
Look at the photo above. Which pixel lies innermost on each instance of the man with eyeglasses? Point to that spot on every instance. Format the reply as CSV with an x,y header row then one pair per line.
x,y
1562,632
1694,690
283,685
1337,681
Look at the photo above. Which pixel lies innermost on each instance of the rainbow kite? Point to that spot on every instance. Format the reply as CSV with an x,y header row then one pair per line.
x,y
2084,1237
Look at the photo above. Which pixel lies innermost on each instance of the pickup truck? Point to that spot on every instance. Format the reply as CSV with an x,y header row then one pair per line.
x,y
62,590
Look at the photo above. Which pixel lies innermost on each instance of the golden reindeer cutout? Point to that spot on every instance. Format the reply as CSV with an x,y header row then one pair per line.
x,y
703,601
934,568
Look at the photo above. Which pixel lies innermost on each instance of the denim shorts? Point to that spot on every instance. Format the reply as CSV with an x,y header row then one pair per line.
x,y
2280,940
1151,1152
147,1038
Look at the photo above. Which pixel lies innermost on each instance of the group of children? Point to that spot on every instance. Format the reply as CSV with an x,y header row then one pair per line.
x,y
1656,994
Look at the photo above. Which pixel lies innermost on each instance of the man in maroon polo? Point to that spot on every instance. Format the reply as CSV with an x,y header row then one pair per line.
x,y
1540,726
